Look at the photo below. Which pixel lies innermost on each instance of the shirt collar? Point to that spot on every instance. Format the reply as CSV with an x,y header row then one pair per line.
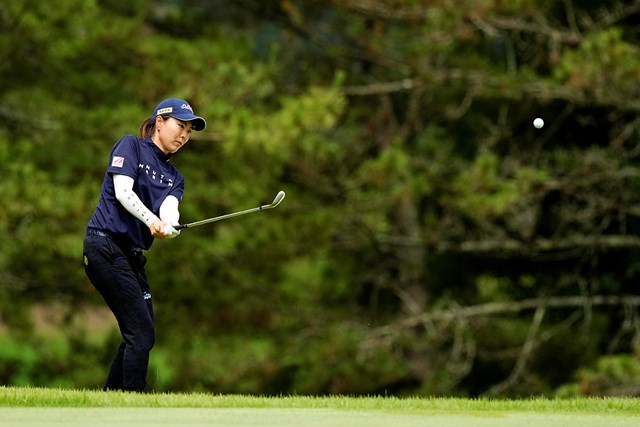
x,y
157,151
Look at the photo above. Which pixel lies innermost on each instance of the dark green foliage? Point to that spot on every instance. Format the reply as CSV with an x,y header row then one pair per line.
x,y
432,240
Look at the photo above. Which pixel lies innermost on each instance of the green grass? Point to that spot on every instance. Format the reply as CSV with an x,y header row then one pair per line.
x,y
40,406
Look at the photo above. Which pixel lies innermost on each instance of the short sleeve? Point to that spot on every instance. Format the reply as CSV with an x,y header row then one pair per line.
x,y
125,157
177,190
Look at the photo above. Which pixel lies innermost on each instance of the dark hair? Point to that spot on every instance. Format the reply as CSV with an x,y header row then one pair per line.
x,y
148,127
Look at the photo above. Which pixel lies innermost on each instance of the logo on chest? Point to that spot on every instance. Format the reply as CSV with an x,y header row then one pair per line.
x,y
154,175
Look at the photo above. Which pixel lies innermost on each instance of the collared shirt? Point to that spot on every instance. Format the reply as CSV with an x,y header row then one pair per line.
x,y
154,177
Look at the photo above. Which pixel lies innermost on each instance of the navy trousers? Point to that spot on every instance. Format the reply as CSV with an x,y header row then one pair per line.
x,y
116,269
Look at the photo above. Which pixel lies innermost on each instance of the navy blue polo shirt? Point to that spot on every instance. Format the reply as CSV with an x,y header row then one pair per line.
x,y
154,178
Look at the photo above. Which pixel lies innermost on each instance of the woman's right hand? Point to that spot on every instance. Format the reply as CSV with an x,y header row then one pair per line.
x,y
162,230
158,229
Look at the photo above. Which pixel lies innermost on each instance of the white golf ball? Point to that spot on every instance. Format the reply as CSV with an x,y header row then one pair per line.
x,y
538,123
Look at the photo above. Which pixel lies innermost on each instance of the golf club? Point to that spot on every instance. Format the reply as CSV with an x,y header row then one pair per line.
x,y
276,201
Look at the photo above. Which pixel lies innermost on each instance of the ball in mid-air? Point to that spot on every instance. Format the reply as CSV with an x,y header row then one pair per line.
x,y
538,123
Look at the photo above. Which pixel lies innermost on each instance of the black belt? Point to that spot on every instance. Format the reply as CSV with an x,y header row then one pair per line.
x,y
96,232
121,242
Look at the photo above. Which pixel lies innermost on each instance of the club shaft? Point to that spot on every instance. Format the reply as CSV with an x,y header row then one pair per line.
x,y
276,201
220,218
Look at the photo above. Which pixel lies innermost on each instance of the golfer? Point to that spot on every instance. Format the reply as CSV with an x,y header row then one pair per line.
x,y
139,202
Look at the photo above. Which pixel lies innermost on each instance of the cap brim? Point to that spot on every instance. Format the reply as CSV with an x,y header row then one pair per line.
x,y
197,123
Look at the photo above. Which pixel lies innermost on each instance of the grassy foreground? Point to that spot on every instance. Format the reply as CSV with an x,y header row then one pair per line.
x,y
40,406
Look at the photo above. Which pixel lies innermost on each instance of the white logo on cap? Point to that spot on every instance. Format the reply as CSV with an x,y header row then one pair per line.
x,y
186,107
164,111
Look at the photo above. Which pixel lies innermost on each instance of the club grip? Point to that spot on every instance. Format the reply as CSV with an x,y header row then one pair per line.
x,y
180,226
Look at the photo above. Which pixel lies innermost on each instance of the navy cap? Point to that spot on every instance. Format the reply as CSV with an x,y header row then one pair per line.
x,y
181,110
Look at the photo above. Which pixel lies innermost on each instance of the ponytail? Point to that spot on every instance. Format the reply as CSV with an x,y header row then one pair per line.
x,y
146,128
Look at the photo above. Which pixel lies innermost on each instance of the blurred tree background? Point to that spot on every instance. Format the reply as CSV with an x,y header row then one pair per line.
x,y
432,241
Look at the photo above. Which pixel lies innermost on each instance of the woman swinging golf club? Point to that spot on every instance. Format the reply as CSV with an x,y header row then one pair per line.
x,y
139,202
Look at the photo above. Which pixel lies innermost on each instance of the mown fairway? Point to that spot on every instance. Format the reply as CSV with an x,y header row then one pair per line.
x,y
38,407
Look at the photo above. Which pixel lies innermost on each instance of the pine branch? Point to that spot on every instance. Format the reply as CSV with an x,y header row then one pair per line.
x,y
526,352
539,246
510,307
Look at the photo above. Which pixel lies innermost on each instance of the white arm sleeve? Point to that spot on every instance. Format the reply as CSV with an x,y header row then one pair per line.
x,y
169,213
129,199
169,210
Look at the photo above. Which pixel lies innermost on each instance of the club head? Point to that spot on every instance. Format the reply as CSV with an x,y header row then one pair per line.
x,y
279,198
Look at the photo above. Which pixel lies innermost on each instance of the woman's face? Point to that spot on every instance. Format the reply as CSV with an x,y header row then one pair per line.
x,y
171,134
